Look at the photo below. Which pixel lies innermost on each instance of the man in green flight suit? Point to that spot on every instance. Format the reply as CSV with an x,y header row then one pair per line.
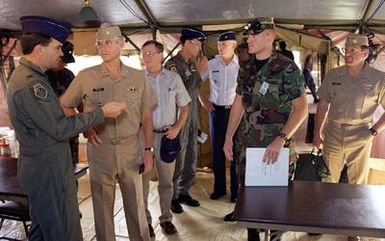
x,y
185,166
45,170
270,95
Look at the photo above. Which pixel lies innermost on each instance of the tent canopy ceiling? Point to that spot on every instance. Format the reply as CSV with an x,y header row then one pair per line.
x,y
176,13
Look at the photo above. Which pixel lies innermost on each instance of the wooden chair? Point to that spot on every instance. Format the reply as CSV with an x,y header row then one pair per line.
x,y
14,210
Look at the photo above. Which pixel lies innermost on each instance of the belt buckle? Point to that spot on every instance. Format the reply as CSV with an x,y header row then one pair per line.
x,y
115,142
227,107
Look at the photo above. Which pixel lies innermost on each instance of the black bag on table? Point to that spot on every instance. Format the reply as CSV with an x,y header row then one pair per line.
x,y
311,167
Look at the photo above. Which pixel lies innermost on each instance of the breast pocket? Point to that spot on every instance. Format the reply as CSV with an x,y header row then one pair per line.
x,y
133,97
215,79
369,100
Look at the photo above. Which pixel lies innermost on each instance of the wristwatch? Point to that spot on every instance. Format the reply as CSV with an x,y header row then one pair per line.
x,y
373,131
283,135
149,149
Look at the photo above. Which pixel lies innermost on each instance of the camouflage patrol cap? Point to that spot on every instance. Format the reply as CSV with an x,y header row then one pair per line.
x,y
357,40
259,25
107,31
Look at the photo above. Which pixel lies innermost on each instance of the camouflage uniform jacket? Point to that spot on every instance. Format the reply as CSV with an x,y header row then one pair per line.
x,y
266,97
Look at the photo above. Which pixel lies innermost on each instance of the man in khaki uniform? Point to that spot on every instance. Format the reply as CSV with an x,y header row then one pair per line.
x,y
349,95
113,150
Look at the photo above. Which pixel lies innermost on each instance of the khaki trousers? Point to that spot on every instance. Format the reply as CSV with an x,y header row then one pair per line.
x,y
165,172
350,144
110,164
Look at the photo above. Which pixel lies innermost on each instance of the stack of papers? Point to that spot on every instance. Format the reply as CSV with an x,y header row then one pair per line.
x,y
259,173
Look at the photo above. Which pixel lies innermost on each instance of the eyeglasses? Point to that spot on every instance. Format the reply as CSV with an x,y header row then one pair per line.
x,y
350,50
148,54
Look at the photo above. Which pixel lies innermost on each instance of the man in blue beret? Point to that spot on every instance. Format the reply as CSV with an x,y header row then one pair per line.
x,y
45,170
271,98
185,167
222,72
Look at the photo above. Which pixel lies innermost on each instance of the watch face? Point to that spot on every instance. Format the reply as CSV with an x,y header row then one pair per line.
x,y
373,131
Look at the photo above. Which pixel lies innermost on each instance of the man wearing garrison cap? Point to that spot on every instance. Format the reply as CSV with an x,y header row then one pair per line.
x,y
113,146
270,95
344,126
185,166
222,72
45,170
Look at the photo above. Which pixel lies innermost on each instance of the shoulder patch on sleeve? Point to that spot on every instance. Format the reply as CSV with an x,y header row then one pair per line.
x,y
40,91
173,67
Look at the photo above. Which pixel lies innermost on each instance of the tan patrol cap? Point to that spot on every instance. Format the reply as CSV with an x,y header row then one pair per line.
x,y
107,31
356,40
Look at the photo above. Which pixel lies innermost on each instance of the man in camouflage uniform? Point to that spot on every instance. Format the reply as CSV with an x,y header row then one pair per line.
x,y
45,170
185,167
60,78
270,95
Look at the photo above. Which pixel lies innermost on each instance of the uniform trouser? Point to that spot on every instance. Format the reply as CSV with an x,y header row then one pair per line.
x,y
218,120
165,172
350,144
185,166
110,164
49,181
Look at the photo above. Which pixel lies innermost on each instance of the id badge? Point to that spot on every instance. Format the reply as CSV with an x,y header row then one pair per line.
x,y
264,88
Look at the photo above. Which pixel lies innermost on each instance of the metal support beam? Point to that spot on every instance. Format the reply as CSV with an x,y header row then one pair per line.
x,y
147,12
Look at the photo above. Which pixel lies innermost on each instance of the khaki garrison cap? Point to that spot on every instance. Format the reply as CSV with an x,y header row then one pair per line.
x,y
356,40
107,31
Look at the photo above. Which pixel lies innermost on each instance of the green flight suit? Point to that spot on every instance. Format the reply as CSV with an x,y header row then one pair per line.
x,y
45,170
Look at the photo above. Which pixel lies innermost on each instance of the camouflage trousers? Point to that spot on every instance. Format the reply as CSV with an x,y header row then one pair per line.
x,y
242,141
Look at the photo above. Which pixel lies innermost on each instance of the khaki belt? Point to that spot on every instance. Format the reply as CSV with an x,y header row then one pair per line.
x,y
119,140
348,126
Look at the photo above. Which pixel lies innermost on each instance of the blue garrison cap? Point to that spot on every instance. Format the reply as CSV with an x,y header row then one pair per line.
x,y
169,149
46,26
190,33
227,36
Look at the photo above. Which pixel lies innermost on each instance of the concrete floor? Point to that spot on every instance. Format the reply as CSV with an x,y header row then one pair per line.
x,y
204,223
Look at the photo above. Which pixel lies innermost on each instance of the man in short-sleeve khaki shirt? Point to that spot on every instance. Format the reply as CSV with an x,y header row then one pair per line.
x,y
113,149
349,96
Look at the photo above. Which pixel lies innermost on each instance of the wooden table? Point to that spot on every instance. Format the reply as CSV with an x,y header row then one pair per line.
x,y
9,185
314,207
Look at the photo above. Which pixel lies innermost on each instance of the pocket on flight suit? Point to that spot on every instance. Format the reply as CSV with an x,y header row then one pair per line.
x,y
60,181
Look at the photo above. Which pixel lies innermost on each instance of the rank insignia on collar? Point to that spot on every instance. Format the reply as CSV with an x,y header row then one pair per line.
x,y
40,91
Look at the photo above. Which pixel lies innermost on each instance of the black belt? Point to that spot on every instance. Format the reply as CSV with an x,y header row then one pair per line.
x,y
160,130
226,107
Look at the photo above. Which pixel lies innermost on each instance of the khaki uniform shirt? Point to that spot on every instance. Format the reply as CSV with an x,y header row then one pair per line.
x,y
353,101
95,87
